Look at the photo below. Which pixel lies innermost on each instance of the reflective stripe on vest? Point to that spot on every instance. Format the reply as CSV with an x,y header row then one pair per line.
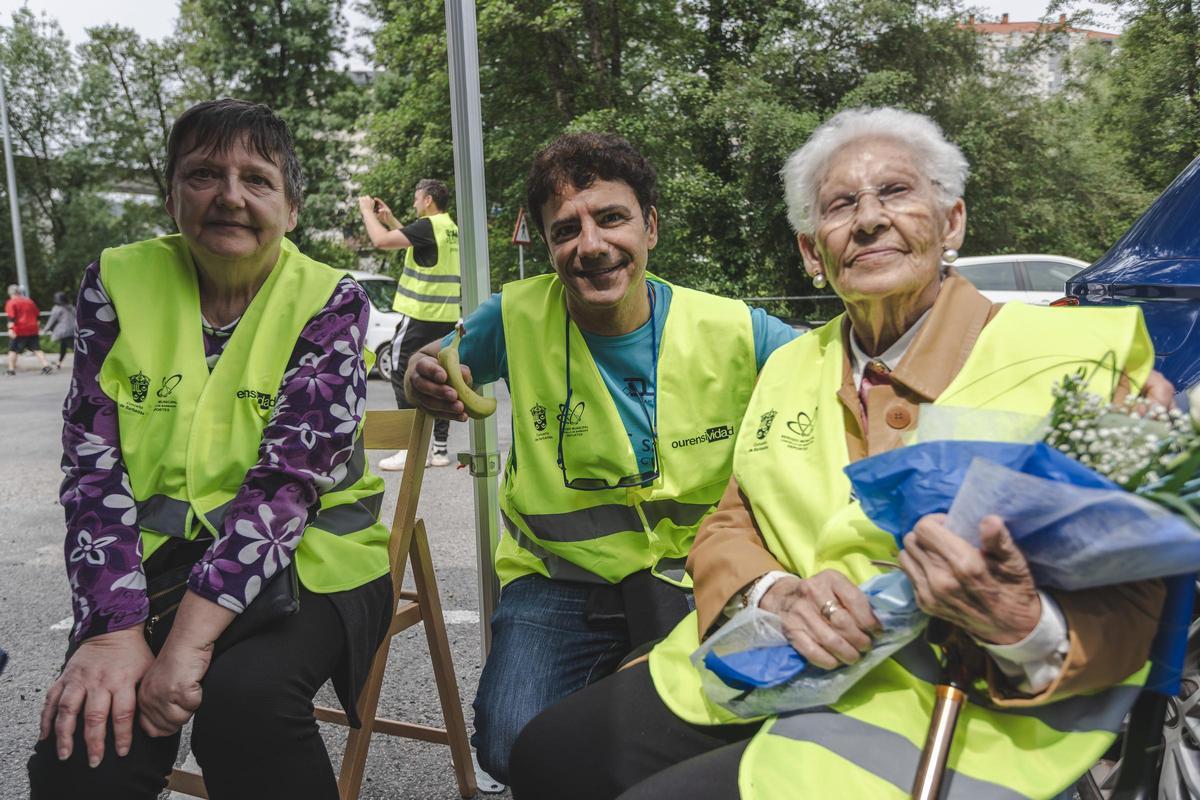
x,y
555,567
412,273
1101,711
600,521
801,501
169,517
881,752
189,436
431,293
706,370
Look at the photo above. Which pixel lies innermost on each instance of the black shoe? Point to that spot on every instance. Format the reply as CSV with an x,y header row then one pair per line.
x,y
47,370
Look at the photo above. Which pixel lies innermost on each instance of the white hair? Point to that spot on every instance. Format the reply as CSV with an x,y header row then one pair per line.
x,y
938,159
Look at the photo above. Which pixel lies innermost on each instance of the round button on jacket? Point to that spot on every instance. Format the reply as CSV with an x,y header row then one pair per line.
x,y
898,417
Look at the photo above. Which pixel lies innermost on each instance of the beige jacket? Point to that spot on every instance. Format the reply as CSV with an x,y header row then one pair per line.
x,y
729,551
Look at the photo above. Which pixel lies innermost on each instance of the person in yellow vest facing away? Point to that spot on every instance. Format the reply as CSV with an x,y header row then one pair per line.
x,y
624,416
223,545
428,292
875,197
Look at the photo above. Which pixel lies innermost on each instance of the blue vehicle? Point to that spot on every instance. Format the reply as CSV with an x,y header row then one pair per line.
x,y
1156,265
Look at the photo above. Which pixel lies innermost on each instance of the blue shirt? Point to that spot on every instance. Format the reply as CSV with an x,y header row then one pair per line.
x,y
626,362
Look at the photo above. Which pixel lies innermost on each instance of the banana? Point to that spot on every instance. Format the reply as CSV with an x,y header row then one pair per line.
x,y
477,405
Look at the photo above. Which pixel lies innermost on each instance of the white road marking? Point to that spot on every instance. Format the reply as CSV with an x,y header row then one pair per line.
x,y
63,624
462,617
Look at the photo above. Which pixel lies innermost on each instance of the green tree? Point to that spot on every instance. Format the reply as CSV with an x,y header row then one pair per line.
x,y
43,114
132,90
1153,110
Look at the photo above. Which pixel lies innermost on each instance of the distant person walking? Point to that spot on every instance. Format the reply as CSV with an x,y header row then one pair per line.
x,y
428,292
61,325
23,330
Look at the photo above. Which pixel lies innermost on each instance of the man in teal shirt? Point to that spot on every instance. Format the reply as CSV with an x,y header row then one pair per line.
x,y
592,198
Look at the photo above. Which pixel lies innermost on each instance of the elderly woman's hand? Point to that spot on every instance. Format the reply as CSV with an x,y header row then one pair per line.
x,y
98,682
826,617
171,691
986,591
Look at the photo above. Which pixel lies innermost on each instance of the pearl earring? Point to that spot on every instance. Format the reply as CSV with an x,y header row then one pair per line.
x,y
819,281
949,255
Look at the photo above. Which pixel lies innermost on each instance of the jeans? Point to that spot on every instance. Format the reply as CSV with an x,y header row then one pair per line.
x,y
543,649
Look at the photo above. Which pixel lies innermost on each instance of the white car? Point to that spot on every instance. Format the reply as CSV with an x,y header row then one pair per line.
x,y
381,328
1035,279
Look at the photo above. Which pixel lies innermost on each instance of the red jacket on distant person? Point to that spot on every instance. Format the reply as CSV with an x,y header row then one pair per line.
x,y
22,316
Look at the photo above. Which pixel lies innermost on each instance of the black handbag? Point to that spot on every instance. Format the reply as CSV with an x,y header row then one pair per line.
x,y
166,583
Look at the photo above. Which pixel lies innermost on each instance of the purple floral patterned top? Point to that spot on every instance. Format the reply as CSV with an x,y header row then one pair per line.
x,y
306,445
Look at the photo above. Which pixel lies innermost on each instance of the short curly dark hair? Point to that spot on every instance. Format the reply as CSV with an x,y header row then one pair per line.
x,y
436,191
214,125
581,159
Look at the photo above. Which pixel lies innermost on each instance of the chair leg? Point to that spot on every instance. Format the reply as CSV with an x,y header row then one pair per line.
x,y
358,742
443,666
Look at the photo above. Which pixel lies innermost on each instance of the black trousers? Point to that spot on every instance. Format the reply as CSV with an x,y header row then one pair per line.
x,y
411,336
254,734
616,738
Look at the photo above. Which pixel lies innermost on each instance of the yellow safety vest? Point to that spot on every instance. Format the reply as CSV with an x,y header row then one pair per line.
x,y
189,436
868,743
706,369
431,294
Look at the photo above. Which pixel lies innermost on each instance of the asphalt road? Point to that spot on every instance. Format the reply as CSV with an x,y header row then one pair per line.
x,y
35,608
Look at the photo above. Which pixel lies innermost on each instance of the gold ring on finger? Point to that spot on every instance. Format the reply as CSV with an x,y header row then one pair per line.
x,y
829,607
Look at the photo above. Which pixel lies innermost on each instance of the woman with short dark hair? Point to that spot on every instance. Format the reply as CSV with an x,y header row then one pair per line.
x,y
215,481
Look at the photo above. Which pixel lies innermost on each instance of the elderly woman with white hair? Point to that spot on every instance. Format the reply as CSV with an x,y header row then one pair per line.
x,y
875,197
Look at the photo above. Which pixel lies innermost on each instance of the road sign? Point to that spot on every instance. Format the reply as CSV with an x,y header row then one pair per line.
x,y
521,230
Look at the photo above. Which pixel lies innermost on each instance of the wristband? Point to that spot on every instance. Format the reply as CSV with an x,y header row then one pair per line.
x,y
760,587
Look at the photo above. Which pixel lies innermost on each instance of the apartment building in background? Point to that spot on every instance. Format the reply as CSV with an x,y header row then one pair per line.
x,y
1045,68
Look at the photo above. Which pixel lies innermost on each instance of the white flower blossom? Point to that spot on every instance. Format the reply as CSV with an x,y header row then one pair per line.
x,y
91,550
267,543
93,445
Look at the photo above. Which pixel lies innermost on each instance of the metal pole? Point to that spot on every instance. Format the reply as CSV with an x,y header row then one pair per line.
x,y
13,206
466,119
521,259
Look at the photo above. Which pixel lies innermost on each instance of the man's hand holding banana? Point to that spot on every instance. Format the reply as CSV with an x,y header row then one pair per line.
x,y
438,383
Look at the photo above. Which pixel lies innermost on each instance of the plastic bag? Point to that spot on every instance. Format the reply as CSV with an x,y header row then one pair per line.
x,y
1076,528
749,668
900,486
1076,537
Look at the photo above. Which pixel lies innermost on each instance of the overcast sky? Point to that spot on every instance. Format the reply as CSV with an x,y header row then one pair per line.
x,y
156,18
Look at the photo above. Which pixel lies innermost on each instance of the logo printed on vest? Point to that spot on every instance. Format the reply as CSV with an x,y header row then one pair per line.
x,y
168,385
265,400
714,434
139,384
800,436
538,412
572,420
764,425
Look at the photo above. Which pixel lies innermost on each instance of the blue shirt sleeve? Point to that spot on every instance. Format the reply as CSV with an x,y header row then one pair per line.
x,y
483,349
770,333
